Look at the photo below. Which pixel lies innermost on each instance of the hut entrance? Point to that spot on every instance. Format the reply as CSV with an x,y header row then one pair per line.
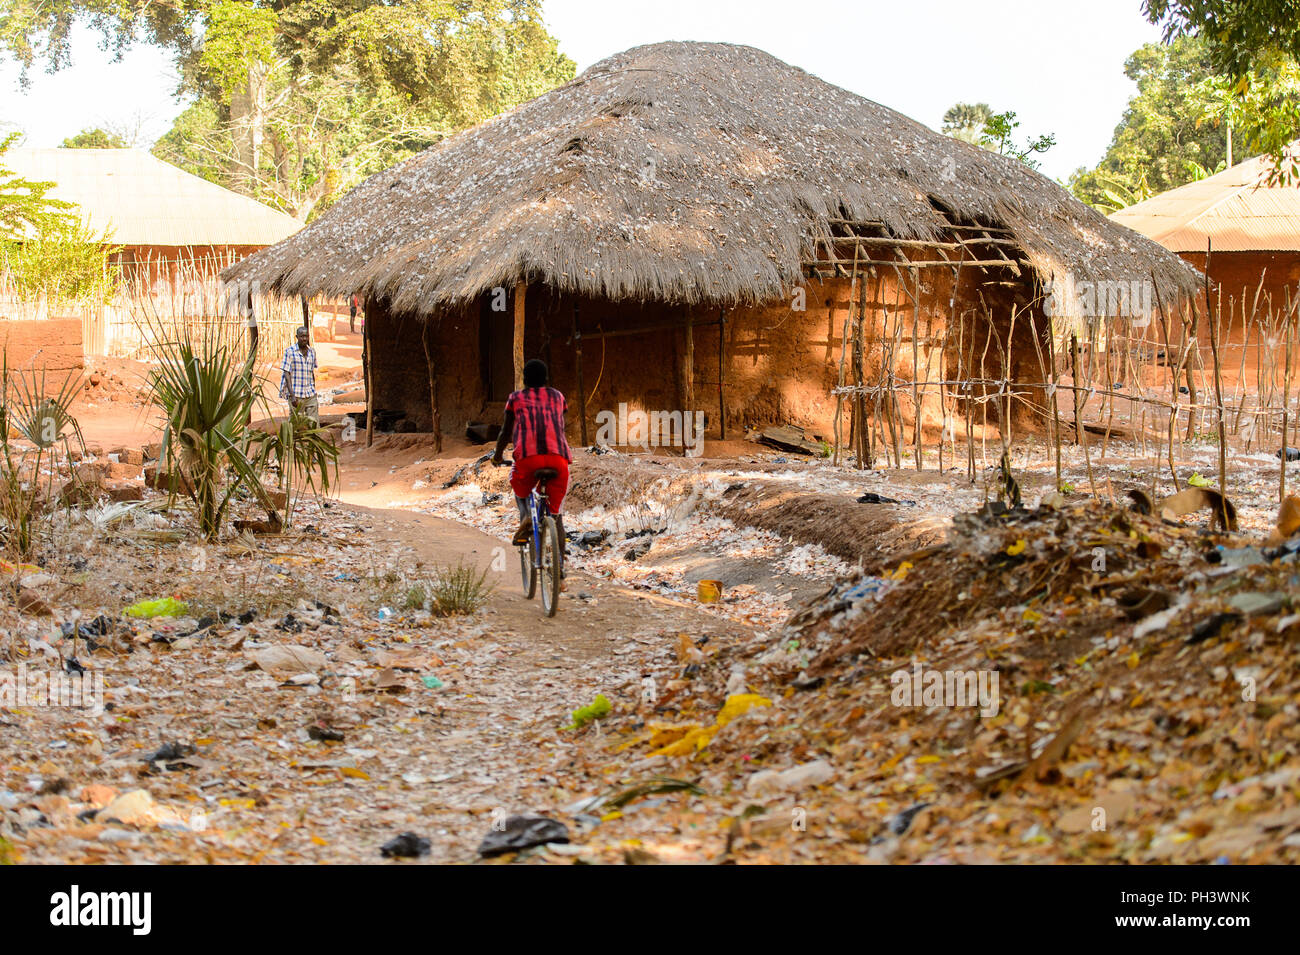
x,y
496,346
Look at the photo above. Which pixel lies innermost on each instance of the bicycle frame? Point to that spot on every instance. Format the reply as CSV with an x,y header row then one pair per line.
x,y
539,509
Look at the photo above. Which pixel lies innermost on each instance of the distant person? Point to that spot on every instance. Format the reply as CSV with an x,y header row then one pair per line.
x,y
250,316
298,377
354,305
534,423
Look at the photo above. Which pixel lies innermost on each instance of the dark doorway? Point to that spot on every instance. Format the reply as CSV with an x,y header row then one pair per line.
x,y
496,346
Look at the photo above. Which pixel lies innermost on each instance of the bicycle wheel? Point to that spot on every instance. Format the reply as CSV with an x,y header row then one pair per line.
x,y
528,570
550,567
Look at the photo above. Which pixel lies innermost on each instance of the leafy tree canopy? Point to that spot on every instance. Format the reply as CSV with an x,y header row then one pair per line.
x,y
977,123
295,100
44,247
1174,125
1255,46
95,138
25,208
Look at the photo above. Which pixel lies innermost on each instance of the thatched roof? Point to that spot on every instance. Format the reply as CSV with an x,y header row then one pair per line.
x,y
680,172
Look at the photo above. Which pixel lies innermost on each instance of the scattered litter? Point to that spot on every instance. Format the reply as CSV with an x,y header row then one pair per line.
x,y
598,709
163,607
522,832
406,846
871,497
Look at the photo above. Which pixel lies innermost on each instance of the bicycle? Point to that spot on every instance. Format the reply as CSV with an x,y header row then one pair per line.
x,y
540,559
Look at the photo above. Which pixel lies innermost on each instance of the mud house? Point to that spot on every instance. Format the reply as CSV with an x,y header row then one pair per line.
x,y
699,227
1243,225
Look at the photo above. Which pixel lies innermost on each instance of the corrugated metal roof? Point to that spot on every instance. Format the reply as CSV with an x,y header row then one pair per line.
x,y
145,201
1237,209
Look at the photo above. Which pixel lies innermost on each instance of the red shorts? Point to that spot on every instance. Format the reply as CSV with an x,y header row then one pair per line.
x,y
522,480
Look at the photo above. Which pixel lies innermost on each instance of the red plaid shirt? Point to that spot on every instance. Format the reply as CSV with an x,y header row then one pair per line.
x,y
539,422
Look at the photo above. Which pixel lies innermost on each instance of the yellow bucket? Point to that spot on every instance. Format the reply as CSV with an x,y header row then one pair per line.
x,y
709,591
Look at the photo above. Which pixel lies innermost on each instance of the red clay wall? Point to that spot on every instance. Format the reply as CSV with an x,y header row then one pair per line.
x,y
50,346
1236,277
1233,298
780,364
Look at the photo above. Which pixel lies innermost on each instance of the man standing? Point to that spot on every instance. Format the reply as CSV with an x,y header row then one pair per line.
x,y
250,315
298,377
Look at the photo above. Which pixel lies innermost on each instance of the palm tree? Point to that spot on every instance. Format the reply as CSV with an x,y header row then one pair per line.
x,y
966,121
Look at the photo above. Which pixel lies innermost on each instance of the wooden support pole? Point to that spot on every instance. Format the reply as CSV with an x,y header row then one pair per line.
x,y
1286,406
688,378
859,379
521,289
1218,400
916,374
839,397
367,347
722,398
582,388
433,390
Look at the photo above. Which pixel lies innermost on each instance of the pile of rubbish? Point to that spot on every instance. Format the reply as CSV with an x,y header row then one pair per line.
x,y
1068,683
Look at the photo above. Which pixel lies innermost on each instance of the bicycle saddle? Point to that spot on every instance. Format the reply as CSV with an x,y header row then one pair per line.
x,y
546,474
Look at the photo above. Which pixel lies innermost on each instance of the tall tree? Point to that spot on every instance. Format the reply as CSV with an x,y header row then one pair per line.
x,y
999,136
977,123
1256,45
94,138
1174,124
966,121
277,78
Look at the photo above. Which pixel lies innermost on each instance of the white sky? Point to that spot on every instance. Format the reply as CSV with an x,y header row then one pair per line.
x,y
1059,65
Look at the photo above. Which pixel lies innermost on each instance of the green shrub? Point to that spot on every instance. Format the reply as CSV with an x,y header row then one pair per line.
x,y
457,590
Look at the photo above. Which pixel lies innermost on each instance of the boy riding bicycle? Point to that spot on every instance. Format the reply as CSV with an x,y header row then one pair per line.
x,y
534,423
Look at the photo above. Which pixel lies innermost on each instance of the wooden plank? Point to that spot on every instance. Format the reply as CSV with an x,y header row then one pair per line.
x,y
433,390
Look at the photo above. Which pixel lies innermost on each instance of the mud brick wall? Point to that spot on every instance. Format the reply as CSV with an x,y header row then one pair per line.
x,y
779,360
50,346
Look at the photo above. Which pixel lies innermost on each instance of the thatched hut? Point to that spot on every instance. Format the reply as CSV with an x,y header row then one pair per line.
x,y
695,226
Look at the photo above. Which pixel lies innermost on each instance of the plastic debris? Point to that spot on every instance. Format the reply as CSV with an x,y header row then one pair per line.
x,y
522,832
406,846
163,607
599,708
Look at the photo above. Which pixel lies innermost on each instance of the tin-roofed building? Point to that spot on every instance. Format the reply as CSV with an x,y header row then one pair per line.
x,y
159,217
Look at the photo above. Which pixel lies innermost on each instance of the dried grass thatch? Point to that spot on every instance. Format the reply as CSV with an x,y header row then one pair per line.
x,y
681,172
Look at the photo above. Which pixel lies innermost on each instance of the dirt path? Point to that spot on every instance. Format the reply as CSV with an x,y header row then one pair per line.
x,y
443,761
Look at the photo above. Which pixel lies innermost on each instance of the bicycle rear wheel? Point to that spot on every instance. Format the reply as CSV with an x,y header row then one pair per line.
x,y
550,567
528,570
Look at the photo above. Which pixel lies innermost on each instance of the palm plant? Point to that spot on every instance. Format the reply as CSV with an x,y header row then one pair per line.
x,y
43,423
302,453
206,395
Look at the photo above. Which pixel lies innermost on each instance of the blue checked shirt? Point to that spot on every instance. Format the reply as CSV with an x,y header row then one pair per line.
x,y
298,373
